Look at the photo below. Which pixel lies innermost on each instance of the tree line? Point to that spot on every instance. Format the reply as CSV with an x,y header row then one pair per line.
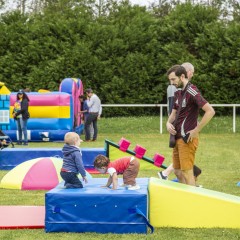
x,y
122,50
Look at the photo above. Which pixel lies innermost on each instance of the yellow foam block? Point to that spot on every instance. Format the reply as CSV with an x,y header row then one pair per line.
x,y
47,111
178,205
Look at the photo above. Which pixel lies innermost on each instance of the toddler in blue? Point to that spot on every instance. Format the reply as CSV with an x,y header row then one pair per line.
x,y
72,161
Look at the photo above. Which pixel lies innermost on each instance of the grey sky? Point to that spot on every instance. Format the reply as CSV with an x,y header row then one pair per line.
x,y
143,2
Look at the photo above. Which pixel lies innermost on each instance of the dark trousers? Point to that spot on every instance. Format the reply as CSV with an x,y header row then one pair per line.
x,y
92,118
71,180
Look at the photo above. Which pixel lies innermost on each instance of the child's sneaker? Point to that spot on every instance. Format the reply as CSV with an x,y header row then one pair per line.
x,y
123,185
160,175
135,187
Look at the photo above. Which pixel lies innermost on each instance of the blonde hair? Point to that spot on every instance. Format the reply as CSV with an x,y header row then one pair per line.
x,y
101,161
71,138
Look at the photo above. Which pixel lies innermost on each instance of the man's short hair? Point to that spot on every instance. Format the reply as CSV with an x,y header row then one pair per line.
x,y
181,70
172,69
89,90
188,66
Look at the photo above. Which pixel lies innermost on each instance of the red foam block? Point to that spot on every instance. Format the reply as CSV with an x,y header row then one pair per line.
x,y
158,159
139,151
123,144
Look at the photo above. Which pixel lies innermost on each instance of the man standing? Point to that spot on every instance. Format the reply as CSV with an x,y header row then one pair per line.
x,y
170,102
187,128
95,111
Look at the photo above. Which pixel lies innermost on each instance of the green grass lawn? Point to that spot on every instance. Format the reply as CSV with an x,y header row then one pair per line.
x,y
218,156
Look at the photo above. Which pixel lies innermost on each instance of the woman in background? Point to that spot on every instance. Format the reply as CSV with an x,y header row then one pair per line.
x,y
21,115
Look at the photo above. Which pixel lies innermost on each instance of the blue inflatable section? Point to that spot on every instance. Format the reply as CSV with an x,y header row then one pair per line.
x,y
4,107
40,135
95,209
45,124
11,157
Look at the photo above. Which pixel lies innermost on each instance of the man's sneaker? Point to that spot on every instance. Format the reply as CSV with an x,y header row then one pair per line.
x,y
160,175
136,187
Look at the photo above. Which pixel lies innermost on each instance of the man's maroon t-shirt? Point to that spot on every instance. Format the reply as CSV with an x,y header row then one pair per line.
x,y
193,101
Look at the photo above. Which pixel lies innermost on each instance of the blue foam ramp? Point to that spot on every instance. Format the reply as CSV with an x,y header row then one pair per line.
x,y
11,157
96,209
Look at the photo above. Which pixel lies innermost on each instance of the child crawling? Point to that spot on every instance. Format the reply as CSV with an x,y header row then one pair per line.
x,y
127,166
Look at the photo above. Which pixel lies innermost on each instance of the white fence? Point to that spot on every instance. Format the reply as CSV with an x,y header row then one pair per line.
x,y
161,106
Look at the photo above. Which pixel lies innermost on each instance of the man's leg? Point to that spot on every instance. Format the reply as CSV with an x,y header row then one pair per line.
x,y
87,127
187,156
189,178
180,176
95,128
176,163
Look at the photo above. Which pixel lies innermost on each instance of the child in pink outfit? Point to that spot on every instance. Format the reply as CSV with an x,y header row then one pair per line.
x,y
127,166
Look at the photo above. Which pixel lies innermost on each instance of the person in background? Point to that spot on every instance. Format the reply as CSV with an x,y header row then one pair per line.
x,y
3,144
95,111
170,102
21,115
27,90
187,128
127,166
84,108
72,161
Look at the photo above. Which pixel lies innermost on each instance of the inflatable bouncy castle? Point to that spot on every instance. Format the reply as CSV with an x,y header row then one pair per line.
x,y
52,114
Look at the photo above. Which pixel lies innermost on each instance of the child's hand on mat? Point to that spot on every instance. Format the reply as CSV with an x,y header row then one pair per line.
x,y
85,179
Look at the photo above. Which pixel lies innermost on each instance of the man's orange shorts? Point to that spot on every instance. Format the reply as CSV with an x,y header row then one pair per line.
x,y
184,154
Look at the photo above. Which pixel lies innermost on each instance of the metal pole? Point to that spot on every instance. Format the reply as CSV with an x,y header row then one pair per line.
x,y
161,116
234,118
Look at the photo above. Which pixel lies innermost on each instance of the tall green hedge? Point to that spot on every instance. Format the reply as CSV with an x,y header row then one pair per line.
x,y
122,53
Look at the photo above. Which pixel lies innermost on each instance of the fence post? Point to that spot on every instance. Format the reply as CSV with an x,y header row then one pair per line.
x,y
234,118
161,114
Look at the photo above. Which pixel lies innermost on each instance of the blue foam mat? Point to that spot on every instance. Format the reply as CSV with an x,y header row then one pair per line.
x,y
96,209
11,157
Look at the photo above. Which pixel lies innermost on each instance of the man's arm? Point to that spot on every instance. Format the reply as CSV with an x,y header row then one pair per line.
x,y
170,104
209,113
171,118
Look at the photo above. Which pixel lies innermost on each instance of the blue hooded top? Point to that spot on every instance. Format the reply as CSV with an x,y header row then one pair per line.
x,y
72,160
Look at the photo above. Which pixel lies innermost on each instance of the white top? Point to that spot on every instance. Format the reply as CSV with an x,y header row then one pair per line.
x,y
94,104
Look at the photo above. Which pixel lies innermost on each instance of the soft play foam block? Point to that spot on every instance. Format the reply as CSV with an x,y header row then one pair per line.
x,y
123,144
22,217
178,205
96,209
11,157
